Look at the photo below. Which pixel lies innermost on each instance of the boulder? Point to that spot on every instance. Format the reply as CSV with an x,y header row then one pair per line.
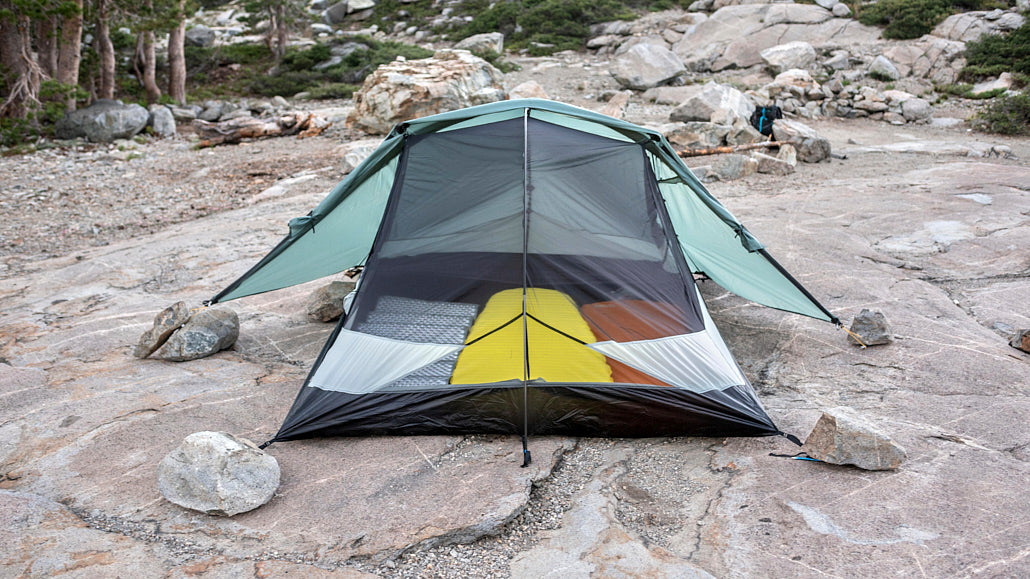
x,y
794,82
771,165
357,7
872,328
742,132
167,321
1003,82
200,35
788,154
916,109
161,121
213,111
841,10
972,26
184,114
1021,340
319,28
841,436
811,148
103,122
616,106
530,89
218,474
402,90
697,135
793,55
827,4
645,66
734,166
116,123
483,43
936,59
209,331
326,303
712,98
335,14
883,68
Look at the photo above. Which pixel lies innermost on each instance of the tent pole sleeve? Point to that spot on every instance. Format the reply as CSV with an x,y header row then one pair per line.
x,y
525,283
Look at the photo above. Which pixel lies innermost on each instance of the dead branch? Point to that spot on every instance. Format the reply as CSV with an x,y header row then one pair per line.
x,y
733,149
233,131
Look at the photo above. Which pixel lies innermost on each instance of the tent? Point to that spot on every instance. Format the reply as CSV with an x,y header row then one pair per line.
x,y
529,269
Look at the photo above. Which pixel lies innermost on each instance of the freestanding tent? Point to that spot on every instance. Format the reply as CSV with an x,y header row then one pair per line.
x,y
529,269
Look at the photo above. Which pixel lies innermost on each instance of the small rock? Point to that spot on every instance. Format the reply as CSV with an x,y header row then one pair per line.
x,y
916,109
170,319
788,154
884,68
646,66
483,43
872,328
209,331
811,148
616,106
200,35
218,474
326,303
182,114
1003,82
713,97
771,165
161,121
530,89
1021,341
734,166
793,55
843,437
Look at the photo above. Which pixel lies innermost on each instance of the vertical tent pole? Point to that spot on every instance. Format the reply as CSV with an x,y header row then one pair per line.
x,y
526,457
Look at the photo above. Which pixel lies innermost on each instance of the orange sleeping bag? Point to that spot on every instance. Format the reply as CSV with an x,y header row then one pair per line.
x,y
631,321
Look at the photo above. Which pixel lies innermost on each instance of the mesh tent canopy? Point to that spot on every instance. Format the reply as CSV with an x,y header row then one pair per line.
x,y
529,269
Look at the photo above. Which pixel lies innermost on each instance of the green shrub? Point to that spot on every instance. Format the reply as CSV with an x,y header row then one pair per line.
x,y
904,19
1006,115
880,76
297,71
562,24
995,54
335,90
495,60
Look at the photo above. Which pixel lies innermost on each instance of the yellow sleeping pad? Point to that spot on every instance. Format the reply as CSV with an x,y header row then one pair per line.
x,y
552,356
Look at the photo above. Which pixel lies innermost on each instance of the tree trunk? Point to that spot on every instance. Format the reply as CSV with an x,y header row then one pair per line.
x,y
105,50
69,53
281,31
21,75
46,43
177,59
148,56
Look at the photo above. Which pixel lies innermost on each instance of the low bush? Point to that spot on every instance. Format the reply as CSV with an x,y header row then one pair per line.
x,y
1009,115
542,26
297,73
905,19
994,54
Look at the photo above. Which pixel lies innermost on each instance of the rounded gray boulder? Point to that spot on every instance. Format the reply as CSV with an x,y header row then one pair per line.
x,y
218,474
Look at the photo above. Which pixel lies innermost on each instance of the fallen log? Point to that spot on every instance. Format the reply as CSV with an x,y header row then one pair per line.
x,y
733,148
233,131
